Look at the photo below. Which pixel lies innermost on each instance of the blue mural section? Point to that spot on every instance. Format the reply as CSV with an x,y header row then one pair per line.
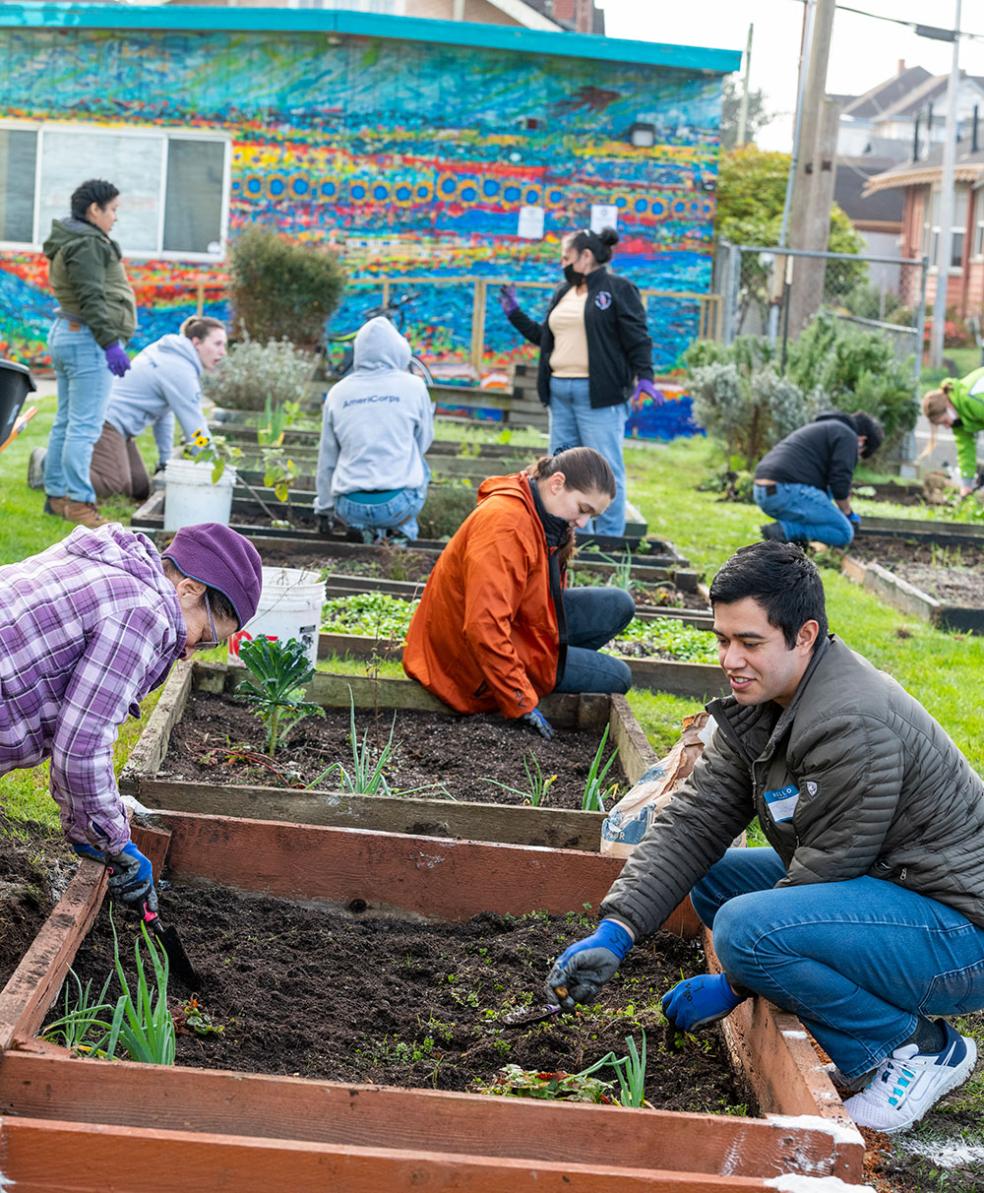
x,y
413,159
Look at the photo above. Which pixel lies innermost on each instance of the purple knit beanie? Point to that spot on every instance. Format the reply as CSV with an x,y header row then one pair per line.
x,y
218,557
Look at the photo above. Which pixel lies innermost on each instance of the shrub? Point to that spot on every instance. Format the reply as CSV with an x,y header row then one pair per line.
x,y
856,370
281,289
747,406
254,374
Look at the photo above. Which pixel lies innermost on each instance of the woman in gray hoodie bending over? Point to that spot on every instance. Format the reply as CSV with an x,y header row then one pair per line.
x,y
378,423
164,383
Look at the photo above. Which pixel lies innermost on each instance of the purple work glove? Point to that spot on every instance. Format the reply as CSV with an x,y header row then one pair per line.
x,y
645,386
116,359
507,299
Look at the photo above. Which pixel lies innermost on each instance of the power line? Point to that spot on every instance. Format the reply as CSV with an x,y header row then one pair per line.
x,y
934,32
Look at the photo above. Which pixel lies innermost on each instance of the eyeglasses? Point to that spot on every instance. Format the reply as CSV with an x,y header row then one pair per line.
x,y
210,645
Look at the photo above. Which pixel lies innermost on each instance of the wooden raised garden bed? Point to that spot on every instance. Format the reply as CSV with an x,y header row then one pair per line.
x,y
85,1125
941,585
193,700
943,533
446,508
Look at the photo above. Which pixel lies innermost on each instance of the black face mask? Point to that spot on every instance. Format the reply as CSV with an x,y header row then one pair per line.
x,y
955,424
573,277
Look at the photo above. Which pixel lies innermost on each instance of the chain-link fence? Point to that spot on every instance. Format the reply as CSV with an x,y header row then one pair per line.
x,y
776,292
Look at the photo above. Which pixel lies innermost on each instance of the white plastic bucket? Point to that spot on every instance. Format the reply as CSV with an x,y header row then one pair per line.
x,y
290,607
190,497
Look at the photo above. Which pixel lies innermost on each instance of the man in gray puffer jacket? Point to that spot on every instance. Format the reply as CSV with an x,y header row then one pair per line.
x,y
866,917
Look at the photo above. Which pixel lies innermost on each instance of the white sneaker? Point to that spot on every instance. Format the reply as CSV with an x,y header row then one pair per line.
x,y
909,1082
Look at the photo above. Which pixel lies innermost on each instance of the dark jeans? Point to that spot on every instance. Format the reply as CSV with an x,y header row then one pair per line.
x,y
594,617
858,961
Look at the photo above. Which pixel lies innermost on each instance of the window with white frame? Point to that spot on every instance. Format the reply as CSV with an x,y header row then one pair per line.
x,y
931,228
174,185
978,247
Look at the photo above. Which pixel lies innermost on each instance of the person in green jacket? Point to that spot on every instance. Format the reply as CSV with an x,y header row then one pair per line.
x,y
959,405
96,316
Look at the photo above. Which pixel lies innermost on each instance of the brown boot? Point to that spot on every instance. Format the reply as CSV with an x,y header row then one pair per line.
x,y
55,506
84,513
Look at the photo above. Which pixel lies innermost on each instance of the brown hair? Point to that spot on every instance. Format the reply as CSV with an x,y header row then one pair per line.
x,y
198,327
584,469
934,406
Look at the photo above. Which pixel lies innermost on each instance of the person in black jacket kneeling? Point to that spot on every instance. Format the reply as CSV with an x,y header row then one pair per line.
x,y
804,482
595,356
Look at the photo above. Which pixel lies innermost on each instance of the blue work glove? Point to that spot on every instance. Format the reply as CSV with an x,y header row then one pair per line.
x,y
131,876
697,1002
536,720
508,300
117,359
585,966
645,386
854,519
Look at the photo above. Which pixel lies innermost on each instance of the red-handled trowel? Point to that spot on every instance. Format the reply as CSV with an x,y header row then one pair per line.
x,y
178,963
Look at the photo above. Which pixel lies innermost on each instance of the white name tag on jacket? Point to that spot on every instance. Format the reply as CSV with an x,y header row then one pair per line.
x,y
782,803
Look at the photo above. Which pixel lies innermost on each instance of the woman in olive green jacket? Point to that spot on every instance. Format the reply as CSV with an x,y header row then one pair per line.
x,y
96,316
959,405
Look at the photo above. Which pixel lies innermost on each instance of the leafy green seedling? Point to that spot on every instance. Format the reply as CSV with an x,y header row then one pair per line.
x,y
278,671
537,783
593,796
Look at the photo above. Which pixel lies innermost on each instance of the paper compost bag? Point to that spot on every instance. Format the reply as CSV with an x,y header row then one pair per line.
x,y
625,825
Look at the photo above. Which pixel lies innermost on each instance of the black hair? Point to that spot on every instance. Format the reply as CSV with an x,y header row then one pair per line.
x,y
600,243
218,601
95,190
780,578
869,426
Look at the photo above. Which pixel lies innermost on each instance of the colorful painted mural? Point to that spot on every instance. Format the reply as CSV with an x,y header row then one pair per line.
x,y
414,159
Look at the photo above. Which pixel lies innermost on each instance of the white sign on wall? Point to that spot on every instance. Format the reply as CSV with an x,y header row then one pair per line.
x,y
531,223
603,215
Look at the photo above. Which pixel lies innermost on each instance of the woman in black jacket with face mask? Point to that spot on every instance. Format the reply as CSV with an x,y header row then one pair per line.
x,y
595,355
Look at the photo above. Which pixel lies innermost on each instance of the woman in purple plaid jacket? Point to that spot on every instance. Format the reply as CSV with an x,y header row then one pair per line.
x,y
87,629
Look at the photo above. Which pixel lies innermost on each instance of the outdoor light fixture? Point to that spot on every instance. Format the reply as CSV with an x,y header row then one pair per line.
x,y
642,135
708,183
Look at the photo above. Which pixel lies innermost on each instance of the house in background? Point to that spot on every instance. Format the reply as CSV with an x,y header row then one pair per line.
x,y
918,184
898,122
437,156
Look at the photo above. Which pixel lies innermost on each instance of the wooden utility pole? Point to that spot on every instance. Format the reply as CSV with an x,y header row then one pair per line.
x,y
809,219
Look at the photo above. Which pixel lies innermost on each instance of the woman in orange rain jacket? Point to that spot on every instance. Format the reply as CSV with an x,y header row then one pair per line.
x,y
496,627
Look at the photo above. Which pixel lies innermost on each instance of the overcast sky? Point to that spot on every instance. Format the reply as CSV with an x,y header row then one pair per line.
x,y
863,51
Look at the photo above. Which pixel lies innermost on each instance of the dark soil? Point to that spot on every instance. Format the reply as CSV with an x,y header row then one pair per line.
x,y
382,563
901,494
954,575
460,754
328,994
35,868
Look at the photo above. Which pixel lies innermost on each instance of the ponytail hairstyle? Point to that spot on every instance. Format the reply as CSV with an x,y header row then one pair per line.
x,y
199,327
584,469
600,243
934,406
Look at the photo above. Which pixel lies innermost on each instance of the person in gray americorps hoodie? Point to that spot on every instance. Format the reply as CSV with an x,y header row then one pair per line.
x,y
163,384
866,916
378,423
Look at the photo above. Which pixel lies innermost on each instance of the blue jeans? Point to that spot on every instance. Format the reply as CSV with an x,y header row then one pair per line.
x,y
399,513
594,617
857,961
805,513
83,392
573,423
